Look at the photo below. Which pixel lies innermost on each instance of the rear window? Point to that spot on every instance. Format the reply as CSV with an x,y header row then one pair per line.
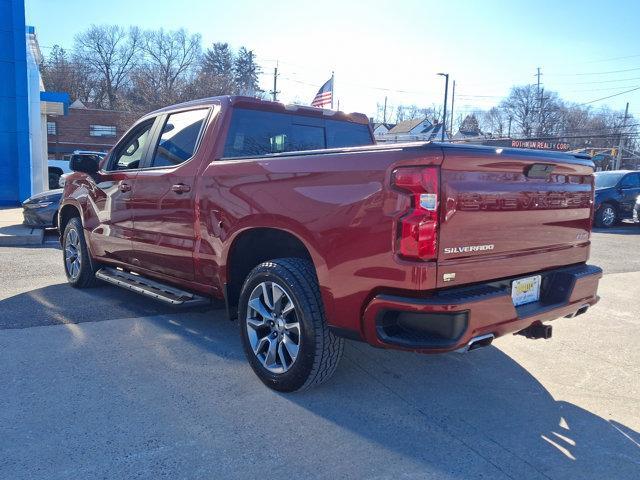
x,y
255,132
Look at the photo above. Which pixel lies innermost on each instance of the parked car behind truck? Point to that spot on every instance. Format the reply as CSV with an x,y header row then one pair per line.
x,y
615,196
312,234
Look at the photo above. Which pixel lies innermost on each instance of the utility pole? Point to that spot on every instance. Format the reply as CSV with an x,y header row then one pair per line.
x,y
621,142
384,112
453,99
444,113
539,74
540,112
275,91
509,134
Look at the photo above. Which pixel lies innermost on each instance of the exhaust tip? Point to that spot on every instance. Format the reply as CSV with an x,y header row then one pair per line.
x,y
580,311
477,342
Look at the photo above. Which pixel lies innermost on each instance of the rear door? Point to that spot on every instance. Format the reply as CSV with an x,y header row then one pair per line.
x,y
508,212
629,191
164,237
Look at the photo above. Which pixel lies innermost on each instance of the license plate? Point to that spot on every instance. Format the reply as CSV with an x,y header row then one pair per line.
x,y
525,290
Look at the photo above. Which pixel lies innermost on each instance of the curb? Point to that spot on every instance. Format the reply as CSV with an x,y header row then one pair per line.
x,y
29,236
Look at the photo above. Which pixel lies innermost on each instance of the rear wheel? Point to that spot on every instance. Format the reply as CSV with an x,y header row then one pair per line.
x,y
606,216
78,265
283,327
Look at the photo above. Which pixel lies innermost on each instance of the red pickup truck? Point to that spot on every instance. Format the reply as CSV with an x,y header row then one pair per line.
x,y
311,233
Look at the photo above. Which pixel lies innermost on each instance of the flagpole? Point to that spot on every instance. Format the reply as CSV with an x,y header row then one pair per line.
x,y
333,89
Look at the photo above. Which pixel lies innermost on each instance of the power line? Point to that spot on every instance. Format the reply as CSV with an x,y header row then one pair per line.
x,y
600,81
595,73
610,96
614,58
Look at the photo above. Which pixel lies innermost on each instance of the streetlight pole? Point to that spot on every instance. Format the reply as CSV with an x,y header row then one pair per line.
x,y
446,92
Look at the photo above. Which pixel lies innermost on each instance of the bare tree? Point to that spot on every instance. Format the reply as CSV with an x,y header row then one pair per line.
x,y
549,114
494,121
522,105
64,73
167,67
111,52
411,112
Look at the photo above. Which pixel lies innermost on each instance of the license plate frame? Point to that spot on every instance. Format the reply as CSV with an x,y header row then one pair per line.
x,y
525,290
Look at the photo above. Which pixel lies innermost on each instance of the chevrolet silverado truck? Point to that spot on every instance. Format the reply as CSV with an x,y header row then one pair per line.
x,y
311,233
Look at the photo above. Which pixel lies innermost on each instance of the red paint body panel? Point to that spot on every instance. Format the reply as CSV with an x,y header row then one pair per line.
x,y
342,207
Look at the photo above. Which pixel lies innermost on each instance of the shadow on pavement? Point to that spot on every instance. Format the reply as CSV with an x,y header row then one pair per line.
x,y
625,228
486,402
61,303
452,414
486,406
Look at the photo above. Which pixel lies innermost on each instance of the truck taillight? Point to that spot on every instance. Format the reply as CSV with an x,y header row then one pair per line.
x,y
418,228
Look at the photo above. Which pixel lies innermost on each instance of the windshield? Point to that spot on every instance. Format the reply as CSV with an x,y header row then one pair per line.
x,y
607,179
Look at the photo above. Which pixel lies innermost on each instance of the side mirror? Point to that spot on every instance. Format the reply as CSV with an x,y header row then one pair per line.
x,y
85,163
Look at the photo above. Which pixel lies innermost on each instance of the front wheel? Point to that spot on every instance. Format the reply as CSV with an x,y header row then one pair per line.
x,y
78,265
283,327
606,216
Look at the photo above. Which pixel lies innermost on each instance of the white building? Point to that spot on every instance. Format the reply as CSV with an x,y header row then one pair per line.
x,y
415,130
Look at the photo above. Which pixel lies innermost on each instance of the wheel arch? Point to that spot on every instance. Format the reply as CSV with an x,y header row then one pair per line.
x,y
65,213
252,246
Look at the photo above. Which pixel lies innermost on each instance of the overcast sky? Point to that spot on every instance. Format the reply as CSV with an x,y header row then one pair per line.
x,y
586,49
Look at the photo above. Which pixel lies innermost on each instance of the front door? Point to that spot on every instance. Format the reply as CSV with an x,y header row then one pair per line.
x,y
111,195
629,190
164,237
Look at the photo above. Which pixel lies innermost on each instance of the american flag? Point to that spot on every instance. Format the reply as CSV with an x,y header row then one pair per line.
x,y
325,95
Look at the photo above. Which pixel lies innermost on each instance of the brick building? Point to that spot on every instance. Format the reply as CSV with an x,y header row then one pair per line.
x,y
85,128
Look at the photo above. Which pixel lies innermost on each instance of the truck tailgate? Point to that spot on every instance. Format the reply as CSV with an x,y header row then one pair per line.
x,y
503,215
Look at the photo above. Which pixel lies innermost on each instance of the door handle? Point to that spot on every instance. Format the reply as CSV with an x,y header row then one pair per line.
x,y
180,188
124,187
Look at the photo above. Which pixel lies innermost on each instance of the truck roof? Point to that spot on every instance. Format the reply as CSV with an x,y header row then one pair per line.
x,y
266,105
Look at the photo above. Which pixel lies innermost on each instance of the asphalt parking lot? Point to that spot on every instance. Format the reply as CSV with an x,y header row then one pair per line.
x,y
103,383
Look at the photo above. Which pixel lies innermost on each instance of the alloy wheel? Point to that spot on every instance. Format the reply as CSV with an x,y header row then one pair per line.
x,y
608,216
72,255
273,327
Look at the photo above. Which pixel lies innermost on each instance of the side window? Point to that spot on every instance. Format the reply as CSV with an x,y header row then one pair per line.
x,y
128,153
179,138
256,132
631,181
345,134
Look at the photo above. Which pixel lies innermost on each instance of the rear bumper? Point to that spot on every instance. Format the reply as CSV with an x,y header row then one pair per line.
x,y
448,319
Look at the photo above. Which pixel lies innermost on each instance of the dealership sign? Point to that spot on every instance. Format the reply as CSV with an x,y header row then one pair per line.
x,y
534,144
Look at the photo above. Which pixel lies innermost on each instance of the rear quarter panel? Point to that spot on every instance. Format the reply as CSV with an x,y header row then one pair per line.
x,y
339,205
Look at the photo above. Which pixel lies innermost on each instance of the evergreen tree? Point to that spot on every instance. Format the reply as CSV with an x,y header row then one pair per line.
x,y
218,60
246,73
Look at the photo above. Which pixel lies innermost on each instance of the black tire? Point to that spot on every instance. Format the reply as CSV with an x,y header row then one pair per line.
x,y
319,349
84,277
606,216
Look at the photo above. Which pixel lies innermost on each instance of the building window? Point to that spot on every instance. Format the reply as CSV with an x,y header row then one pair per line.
x,y
102,130
52,128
